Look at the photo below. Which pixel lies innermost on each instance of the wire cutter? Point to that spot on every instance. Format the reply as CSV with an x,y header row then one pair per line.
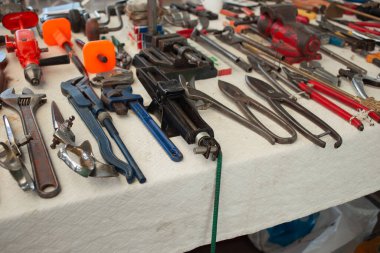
x,y
277,98
243,102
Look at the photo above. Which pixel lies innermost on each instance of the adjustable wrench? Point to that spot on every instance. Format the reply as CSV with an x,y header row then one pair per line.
x,y
26,104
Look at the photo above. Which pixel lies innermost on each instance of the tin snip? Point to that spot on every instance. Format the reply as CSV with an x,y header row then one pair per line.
x,y
277,99
88,165
203,101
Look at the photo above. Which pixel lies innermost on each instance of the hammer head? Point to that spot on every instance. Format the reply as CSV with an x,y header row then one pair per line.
x,y
26,98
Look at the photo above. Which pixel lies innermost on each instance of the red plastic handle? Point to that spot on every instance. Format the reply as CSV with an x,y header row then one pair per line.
x,y
343,98
331,106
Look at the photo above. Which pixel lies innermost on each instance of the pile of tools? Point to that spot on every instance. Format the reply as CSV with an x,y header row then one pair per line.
x,y
179,45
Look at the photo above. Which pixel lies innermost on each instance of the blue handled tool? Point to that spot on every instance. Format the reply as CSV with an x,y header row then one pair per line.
x,y
91,109
120,98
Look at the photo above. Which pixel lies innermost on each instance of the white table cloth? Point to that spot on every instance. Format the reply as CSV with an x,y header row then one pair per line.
x,y
262,184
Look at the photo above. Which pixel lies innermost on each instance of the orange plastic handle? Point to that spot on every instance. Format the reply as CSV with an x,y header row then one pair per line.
x,y
91,52
57,32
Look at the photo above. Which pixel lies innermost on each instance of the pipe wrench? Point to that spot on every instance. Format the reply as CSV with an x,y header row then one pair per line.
x,y
26,104
121,98
91,109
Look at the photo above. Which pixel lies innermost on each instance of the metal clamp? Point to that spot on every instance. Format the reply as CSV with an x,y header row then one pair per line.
x,y
11,158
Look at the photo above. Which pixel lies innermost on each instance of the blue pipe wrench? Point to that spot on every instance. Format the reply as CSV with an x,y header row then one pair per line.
x,y
122,96
91,109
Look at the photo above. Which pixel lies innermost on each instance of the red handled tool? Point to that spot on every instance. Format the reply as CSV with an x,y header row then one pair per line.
x,y
57,32
288,37
25,45
98,56
314,88
364,27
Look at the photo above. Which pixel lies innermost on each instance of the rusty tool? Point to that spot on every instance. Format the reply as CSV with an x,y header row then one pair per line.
x,y
26,104
277,100
335,10
370,102
94,29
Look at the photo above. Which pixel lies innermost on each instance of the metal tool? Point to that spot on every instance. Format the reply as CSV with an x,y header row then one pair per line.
x,y
264,69
361,26
11,158
88,165
198,36
196,9
92,111
123,59
180,18
244,102
94,28
177,114
355,42
276,99
336,10
359,80
315,68
152,16
120,98
173,55
109,11
25,45
73,11
115,77
203,101
314,88
371,103
227,36
278,77
344,61
26,104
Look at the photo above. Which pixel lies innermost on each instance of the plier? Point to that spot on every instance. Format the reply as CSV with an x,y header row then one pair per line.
x,y
314,88
277,99
244,102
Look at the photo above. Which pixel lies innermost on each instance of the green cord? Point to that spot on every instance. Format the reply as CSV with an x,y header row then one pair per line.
x,y
216,203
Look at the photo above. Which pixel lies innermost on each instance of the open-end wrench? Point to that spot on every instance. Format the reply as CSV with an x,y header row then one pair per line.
x,y
26,104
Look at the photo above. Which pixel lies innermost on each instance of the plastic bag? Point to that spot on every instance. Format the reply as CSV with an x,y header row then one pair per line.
x,y
338,229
